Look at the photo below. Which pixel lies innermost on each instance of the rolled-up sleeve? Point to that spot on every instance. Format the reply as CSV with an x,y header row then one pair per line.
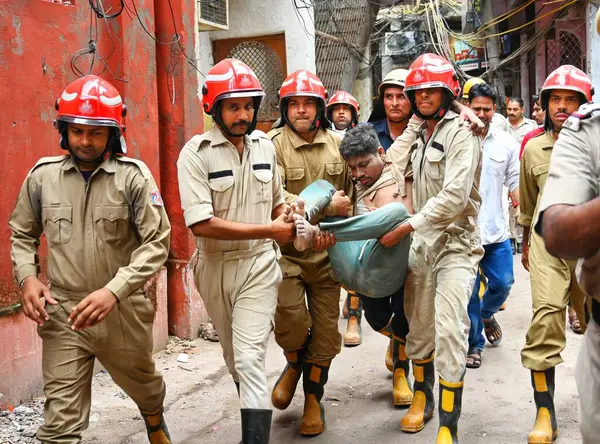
x,y
572,177
196,199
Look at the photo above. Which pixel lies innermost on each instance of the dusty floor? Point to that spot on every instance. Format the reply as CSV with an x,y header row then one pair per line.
x,y
202,405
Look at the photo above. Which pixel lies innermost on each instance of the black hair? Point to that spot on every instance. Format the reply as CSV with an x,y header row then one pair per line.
x,y
359,141
536,98
518,100
482,90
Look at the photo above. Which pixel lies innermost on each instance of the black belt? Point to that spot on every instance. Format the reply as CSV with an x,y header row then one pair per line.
x,y
596,311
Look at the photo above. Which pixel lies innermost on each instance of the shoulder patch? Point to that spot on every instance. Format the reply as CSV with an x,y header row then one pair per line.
x,y
141,165
50,159
585,111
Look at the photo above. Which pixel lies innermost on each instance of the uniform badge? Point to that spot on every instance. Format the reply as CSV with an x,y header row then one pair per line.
x,y
86,108
156,198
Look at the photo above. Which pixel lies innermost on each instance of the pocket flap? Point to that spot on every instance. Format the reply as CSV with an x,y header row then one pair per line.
x,y
263,175
540,169
434,155
333,169
294,173
111,212
57,213
221,184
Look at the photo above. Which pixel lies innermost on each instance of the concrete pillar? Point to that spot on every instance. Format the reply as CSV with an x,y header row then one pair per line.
x,y
180,117
363,87
593,48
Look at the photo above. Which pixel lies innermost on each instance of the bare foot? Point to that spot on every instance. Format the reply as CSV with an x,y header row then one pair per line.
x,y
298,207
306,233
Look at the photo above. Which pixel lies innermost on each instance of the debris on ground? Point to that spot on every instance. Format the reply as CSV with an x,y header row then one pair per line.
x,y
208,332
21,424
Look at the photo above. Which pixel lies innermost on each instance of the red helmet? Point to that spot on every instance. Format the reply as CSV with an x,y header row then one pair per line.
x,y
91,100
432,71
230,78
567,77
304,83
344,98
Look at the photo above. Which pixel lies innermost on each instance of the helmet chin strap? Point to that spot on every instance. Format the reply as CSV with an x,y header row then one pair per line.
x,y
97,161
216,114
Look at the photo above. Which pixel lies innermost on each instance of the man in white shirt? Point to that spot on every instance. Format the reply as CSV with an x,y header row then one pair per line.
x,y
500,166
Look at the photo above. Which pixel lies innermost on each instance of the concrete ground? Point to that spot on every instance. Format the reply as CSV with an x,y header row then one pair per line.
x,y
202,405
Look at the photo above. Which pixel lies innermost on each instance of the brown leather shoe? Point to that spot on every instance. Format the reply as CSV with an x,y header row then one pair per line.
x,y
285,387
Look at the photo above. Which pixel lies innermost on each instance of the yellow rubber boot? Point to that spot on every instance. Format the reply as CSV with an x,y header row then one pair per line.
x,y
156,427
313,417
285,387
353,336
545,429
402,392
389,358
423,403
449,411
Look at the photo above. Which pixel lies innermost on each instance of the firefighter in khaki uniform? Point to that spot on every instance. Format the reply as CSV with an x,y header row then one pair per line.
x,y
308,151
230,190
107,234
552,279
445,167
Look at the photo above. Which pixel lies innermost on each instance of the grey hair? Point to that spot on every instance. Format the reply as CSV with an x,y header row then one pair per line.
x,y
359,141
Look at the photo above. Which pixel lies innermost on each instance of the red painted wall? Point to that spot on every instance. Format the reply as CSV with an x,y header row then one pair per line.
x,y
37,41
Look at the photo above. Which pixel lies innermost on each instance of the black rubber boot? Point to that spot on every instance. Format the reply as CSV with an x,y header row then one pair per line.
x,y
314,380
156,428
423,403
545,429
402,392
285,387
353,336
256,426
449,411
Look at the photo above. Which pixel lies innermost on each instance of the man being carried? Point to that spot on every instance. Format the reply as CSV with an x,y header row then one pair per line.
x,y
360,261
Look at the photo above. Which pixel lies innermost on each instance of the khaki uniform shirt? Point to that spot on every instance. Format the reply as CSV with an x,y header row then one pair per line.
x,y
301,163
110,232
213,181
574,179
534,172
519,133
445,171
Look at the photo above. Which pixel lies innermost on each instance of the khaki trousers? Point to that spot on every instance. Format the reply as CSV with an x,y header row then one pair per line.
x,y
437,292
122,343
588,384
308,304
516,230
239,290
553,282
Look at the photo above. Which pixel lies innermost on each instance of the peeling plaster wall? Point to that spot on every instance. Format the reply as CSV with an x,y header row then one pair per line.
x,y
38,41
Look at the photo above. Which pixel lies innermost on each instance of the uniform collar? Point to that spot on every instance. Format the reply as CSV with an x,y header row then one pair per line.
x,y
299,142
381,126
216,138
109,165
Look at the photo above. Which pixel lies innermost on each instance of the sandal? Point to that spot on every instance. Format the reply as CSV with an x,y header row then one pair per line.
x,y
474,358
574,321
492,330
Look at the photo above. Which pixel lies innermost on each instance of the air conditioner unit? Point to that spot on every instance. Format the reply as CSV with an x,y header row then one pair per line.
x,y
213,15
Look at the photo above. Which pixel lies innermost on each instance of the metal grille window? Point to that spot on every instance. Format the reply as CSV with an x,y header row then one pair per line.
x,y
214,11
269,70
570,50
566,50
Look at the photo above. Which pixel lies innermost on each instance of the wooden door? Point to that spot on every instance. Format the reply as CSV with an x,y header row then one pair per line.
x,y
267,57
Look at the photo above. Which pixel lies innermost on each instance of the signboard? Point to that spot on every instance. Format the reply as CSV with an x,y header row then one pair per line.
x,y
468,56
